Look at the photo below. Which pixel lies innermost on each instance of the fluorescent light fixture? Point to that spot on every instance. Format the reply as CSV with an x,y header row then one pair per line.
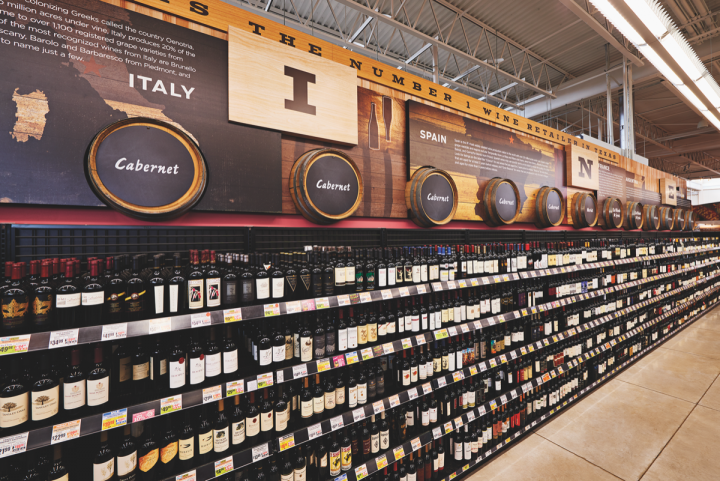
x,y
659,64
618,20
680,55
708,90
650,16
713,120
692,97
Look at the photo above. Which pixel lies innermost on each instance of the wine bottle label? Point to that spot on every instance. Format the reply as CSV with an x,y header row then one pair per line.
x,y
262,288
14,410
141,371
195,293
278,288
281,419
197,370
66,300
340,276
186,449
433,415
173,297
92,298
339,396
126,464
334,463
300,474
287,477
265,357
135,302
149,461
296,345
362,393
212,286
306,349
230,292
159,292
342,339
362,334
266,421
213,365
74,394
104,470
97,391
352,397
168,452
441,460
306,409
346,458
238,432
352,337
319,404
230,361
288,347
44,404
221,439
177,373
205,442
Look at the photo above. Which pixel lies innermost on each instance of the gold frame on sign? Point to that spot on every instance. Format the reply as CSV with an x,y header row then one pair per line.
x,y
168,211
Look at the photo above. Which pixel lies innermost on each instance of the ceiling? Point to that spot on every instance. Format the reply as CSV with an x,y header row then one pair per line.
x,y
525,56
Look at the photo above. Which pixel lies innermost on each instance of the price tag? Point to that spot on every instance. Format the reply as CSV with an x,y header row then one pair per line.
x,y
398,452
365,297
171,404
448,427
260,452
420,339
427,389
470,415
503,399
481,410
437,286
367,353
115,419
114,331
404,292
13,445
137,417
323,365
224,466
361,472
381,462
386,294
200,320
358,414
211,394
451,285
452,331
473,370
526,387
338,361
462,283
441,334
421,289
492,362
157,326
314,431
65,432
264,380
343,300
406,343
458,376
378,407
442,382
308,305
394,401
412,393
416,444
68,337
271,309
493,405
235,315
290,307
336,423
322,303
503,359
436,433
14,345
351,357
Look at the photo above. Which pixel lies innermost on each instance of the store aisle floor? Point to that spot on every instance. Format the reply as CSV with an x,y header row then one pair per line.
x,y
657,421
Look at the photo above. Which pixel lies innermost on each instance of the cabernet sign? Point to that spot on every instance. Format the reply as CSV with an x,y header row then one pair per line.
x,y
146,169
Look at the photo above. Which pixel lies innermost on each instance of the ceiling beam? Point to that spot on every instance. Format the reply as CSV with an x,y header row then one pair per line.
x,y
692,133
600,30
446,47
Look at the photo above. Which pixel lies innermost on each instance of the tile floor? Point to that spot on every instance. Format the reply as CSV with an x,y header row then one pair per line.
x,y
659,420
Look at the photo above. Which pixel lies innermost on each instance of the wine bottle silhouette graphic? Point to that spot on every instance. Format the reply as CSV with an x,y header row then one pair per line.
x,y
387,115
373,129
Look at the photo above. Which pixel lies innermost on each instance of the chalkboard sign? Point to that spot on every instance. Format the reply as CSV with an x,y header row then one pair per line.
x,y
146,168
502,202
611,213
549,207
431,197
583,210
633,215
325,185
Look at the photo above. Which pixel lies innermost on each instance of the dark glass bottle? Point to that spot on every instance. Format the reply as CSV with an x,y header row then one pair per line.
x,y
148,453
104,460
169,447
157,285
58,472
98,381
42,309
195,283
15,303
67,301
177,289
136,293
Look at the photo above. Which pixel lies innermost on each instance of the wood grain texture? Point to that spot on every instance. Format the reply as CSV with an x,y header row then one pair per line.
x,y
330,92
576,160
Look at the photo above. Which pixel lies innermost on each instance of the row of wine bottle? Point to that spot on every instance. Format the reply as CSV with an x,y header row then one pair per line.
x,y
57,293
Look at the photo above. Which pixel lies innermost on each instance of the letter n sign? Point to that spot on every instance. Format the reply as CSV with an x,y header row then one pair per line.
x,y
582,168
287,88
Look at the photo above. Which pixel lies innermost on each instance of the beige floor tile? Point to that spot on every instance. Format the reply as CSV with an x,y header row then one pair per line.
x,y
640,364
711,399
538,459
709,321
692,453
625,432
680,374
703,342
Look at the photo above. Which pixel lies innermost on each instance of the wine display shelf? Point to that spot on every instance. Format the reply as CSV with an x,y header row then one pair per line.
x,y
92,424
264,450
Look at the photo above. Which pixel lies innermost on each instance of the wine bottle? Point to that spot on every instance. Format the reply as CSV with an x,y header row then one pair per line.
x,y
14,397
126,459
74,385
45,391
104,460
148,453
58,472
186,444
221,429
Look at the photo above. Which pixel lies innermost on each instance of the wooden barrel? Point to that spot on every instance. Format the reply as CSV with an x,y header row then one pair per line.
x,y
583,210
691,219
679,219
431,197
666,218
549,207
651,217
633,215
502,202
611,213
326,185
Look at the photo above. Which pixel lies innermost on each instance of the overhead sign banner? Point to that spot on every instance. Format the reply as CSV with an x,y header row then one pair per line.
x,y
291,90
583,168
